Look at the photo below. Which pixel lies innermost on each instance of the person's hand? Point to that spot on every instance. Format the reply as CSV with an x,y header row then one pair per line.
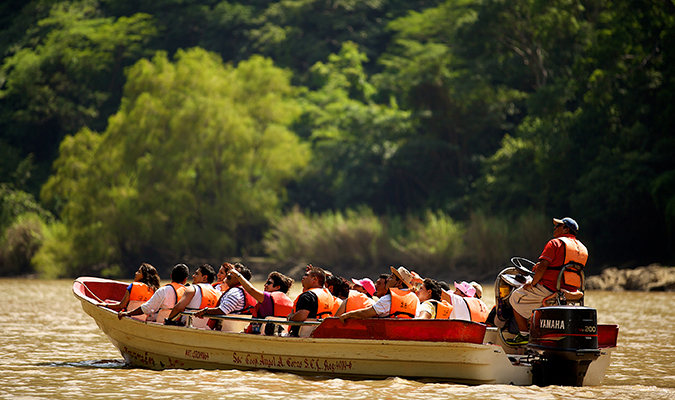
x,y
122,314
343,319
200,313
527,286
228,267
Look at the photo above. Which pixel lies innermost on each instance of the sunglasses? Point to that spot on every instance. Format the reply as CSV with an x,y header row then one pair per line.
x,y
269,283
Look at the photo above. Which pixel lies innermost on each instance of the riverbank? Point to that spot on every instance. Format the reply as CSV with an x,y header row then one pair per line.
x,y
652,278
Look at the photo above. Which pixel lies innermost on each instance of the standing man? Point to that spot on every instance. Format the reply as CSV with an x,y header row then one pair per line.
x,y
559,251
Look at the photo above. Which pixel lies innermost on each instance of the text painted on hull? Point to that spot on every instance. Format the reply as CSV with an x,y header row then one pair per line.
x,y
313,364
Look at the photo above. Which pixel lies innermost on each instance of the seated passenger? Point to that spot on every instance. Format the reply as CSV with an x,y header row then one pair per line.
x,y
236,300
359,298
165,298
399,302
339,288
465,305
220,284
479,289
197,296
432,306
314,302
365,286
381,285
146,281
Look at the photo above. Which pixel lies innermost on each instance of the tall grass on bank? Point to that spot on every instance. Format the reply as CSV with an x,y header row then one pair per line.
x,y
357,242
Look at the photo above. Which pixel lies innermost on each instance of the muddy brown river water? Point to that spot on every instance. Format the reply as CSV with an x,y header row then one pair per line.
x,y
50,349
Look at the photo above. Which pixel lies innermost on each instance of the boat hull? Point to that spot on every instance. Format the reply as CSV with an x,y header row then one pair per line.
x,y
155,346
460,357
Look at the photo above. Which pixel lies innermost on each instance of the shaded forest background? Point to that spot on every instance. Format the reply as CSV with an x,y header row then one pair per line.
x,y
440,135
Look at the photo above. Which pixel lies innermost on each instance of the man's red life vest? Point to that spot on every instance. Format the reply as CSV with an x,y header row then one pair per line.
x,y
403,303
282,304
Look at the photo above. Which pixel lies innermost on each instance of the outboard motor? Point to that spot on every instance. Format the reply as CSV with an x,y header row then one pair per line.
x,y
566,339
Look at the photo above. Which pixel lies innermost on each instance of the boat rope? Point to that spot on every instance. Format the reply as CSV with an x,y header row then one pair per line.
x,y
91,291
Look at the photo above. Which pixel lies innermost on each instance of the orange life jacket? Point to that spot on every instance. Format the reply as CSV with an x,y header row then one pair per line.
x,y
357,301
403,304
210,296
575,252
178,289
443,309
325,302
477,309
140,292
337,302
282,304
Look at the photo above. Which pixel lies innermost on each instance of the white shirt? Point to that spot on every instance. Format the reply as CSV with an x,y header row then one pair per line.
x,y
164,298
459,308
196,301
383,305
427,306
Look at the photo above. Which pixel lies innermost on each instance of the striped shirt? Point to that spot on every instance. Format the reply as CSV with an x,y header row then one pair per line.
x,y
232,300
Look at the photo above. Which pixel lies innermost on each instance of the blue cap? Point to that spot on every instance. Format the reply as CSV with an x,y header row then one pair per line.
x,y
568,222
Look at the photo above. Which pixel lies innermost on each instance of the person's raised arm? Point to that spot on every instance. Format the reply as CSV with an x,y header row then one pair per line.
x,y
257,294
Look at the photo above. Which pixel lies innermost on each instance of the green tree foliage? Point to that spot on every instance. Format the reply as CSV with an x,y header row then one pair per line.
x,y
460,115
197,154
67,69
22,223
353,137
596,138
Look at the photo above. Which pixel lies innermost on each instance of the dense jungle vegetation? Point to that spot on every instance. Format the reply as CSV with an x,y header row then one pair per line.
x,y
352,134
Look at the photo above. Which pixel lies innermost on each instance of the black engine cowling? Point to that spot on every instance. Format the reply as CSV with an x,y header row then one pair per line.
x,y
566,339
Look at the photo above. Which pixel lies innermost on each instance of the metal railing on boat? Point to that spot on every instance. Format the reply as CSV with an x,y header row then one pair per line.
x,y
270,320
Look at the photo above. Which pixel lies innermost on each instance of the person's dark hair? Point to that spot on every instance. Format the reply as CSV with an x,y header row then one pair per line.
x,y
243,270
150,276
430,284
281,280
207,269
179,273
339,284
444,285
383,276
317,273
